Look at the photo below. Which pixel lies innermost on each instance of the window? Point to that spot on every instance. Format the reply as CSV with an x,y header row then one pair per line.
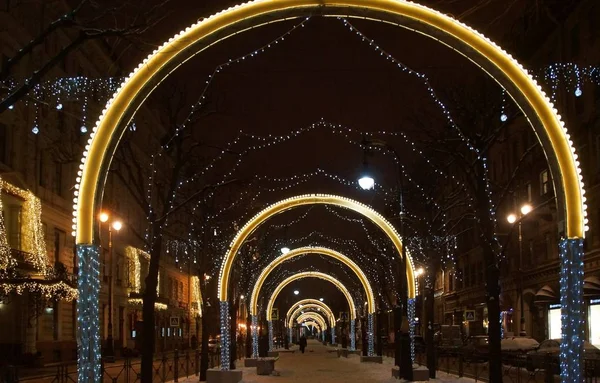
x,y
58,175
42,171
544,182
3,144
549,246
575,40
59,238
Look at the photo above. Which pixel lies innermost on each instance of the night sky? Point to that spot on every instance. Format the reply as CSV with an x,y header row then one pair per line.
x,y
324,72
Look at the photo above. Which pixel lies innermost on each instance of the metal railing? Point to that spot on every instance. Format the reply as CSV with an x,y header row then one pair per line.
x,y
515,366
167,367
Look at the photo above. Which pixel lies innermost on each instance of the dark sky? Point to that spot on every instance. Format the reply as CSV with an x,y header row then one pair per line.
x,y
324,72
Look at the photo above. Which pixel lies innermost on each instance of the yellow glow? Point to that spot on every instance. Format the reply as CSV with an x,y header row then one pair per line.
x,y
31,230
314,317
309,301
312,199
511,218
298,310
103,217
311,274
311,250
117,225
526,209
236,19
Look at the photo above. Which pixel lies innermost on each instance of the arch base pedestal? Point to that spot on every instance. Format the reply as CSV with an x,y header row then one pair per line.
x,y
215,375
371,359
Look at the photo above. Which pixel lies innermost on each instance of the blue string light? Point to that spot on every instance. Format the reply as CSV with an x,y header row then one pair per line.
x,y
225,335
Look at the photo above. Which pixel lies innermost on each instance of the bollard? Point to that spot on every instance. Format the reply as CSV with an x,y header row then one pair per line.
x,y
549,374
176,366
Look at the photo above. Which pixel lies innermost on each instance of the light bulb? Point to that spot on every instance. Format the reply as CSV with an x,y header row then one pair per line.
x,y
578,92
503,117
366,182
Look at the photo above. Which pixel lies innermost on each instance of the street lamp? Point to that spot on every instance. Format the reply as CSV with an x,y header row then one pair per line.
x,y
366,182
296,292
321,299
512,218
285,250
117,226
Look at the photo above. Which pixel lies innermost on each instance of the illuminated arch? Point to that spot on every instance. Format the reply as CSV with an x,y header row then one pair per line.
x,y
315,317
314,324
311,274
312,199
536,106
311,306
312,250
194,39
309,301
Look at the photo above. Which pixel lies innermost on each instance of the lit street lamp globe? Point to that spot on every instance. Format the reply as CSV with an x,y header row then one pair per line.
x,y
511,218
285,250
366,182
296,292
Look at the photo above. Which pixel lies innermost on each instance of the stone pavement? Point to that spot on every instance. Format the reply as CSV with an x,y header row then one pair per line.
x,y
318,365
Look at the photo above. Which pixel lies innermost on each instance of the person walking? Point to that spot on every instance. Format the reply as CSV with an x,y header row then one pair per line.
x,y
302,343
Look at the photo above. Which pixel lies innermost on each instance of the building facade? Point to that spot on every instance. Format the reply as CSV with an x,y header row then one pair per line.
x,y
530,267
41,141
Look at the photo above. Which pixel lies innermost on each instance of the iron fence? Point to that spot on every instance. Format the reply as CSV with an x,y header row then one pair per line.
x,y
515,366
167,367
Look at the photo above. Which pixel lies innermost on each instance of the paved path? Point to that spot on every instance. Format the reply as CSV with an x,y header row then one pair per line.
x,y
318,365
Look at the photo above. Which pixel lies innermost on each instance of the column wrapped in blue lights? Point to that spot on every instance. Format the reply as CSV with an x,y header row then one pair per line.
x,y
271,347
411,326
333,335
322,336
370,336
88,315
254,336
571,301
352,335
225,335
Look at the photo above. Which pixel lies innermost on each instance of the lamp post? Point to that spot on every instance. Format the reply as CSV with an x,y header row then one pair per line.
x,y
512,218
403,346
116,225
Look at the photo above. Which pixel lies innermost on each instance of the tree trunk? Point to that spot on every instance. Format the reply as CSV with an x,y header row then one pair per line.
x,y
249,337
429,331
488,245
204,349
148,325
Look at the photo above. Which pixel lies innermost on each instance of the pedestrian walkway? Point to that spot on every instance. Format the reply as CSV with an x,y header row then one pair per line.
x,y
319,364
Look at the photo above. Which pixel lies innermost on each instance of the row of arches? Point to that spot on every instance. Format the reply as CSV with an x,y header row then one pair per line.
x,y
194,39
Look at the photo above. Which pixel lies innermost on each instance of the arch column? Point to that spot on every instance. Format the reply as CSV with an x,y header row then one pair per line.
x,y
225,335
88,315
270,325
254,336
370,335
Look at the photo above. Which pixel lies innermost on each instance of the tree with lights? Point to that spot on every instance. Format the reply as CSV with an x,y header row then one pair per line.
x,y
71,29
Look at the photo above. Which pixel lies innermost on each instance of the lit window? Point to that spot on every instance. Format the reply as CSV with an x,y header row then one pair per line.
x,y
544,182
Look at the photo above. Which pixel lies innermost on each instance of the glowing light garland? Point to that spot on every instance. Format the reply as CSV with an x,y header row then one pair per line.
x,y
7,261
158,306
134,267
52,290
32,230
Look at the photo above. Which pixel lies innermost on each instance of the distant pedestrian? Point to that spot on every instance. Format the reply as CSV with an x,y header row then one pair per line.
x,y
302,343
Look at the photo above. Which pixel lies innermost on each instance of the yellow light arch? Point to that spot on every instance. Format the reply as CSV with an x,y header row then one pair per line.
x,y
315,317
194,39
312,199
314,324
308,301
312,306
311,274
311,250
